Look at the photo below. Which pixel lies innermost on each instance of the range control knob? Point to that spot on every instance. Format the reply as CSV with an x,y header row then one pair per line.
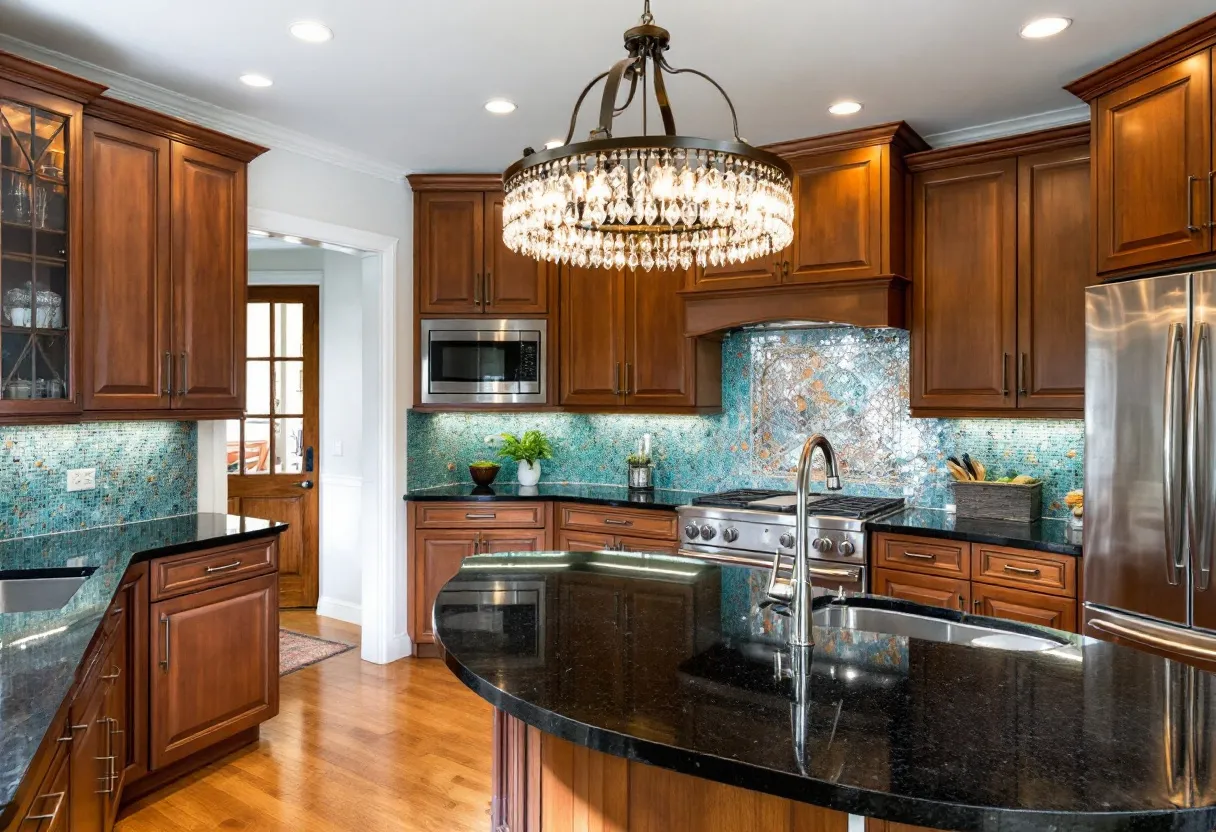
x,y
847,548
786,540
822,544
691,531
708,532
730,535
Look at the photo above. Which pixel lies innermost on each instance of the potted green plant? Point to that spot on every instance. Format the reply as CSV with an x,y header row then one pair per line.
x,y
641,470
483,471
528,451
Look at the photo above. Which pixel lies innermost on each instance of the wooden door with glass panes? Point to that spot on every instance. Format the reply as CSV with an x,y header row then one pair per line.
x,y
40,248
272,459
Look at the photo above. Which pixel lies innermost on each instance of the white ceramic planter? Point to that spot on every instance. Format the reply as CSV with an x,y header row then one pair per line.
x,y
529,473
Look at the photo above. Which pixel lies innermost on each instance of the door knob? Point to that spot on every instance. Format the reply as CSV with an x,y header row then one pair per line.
x,y
305,484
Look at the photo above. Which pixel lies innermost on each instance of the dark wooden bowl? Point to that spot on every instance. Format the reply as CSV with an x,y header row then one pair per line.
x,y
483,475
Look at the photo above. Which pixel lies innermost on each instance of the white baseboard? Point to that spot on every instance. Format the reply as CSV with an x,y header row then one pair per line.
x,y
341,610
398,647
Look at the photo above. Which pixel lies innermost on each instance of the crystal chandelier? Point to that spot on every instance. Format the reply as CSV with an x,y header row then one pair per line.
x,y
650,201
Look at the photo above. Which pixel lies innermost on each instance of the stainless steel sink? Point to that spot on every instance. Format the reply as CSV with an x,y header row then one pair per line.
x,y
38,593
927,628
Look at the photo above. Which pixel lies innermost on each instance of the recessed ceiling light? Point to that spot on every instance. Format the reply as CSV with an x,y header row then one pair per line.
x,y
257,232
310,31
293,240
500,106
252,79
552,143
1045,27
845,108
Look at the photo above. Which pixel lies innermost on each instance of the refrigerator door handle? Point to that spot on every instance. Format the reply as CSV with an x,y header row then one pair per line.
x,y
1196,429
1174,562
1152,639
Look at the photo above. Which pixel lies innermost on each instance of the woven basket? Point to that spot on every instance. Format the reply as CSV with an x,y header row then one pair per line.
x,y
999,501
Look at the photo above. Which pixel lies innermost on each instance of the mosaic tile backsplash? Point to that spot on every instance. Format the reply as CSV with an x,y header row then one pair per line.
x,y
778,387
145,470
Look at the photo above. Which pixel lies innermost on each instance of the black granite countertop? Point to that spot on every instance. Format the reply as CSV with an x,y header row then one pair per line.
x,y
41,652
951,736
1045,535
603,495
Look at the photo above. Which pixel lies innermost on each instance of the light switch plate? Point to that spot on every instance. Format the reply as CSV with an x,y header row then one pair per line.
x,y
82,479
494,440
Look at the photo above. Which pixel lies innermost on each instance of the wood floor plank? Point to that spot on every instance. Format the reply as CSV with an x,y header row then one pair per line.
x,y
356,747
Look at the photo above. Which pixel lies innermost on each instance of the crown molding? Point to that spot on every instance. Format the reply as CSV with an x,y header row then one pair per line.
x,y
1011,127
256,130
455,182
896,133
1160,53
1007,147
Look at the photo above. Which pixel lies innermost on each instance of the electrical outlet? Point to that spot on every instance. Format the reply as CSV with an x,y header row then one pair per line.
x,y
82,479
494,440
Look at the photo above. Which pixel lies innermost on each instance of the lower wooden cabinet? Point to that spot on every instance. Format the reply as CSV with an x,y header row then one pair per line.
x,y
50,808
930,590
207,684
92,764
568,541
1028,607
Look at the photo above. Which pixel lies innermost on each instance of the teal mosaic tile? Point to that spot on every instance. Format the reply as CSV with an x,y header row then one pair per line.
x,y
778,387
145,470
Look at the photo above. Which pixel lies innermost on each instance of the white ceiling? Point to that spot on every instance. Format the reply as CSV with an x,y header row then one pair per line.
x,y
404,81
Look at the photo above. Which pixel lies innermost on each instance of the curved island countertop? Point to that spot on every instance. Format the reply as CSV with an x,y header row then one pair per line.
x,y
1087,736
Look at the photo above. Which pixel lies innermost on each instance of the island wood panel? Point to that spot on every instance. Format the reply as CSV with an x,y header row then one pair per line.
x,y
514,284
451,234
964,279
1055,264
129,288
1152,154
592,337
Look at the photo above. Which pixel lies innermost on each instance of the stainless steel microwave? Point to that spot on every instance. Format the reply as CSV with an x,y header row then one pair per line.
x,y
484,361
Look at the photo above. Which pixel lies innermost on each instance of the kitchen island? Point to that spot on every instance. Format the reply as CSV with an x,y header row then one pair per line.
x,y
629,695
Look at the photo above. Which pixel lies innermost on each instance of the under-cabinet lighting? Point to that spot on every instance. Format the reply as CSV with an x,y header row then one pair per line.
x,y
257,232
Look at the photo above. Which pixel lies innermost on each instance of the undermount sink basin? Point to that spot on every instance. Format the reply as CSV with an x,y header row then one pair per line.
x,y
21,594
928,628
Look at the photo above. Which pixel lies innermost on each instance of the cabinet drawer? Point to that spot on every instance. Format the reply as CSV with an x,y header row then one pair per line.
x,y
1027,607
1019,568
660,524
480,515
213,567
928,556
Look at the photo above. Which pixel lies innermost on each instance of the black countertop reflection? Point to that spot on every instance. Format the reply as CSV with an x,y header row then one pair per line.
x,y
41,652
1077,737
604,495
1046,535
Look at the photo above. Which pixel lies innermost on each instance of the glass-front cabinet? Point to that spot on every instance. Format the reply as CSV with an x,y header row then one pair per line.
x,y
39,245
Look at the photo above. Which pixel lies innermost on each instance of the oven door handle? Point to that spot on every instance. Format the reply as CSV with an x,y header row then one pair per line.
x,y
851,575
713,557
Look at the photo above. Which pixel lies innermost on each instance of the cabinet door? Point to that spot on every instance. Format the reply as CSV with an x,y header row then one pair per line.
x,y
592,336
964,270
923,589
130,698
514,284
1152,150
1028,607
91,763
214,666
1055,264
49,810
127,289
209,280
660,362
497,542
115,667
437,557
450,255
568,541
638,544
765,271
838,216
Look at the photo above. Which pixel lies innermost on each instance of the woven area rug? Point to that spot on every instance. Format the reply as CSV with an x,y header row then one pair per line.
x,y
297,650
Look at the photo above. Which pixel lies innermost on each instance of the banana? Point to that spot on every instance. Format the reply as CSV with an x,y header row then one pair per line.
x,y
981,473
957,471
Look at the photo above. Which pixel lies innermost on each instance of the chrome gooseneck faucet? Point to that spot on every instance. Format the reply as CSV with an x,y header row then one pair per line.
x,y
796,593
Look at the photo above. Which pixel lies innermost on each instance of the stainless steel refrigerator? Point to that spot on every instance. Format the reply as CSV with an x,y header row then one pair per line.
x,y
1149,504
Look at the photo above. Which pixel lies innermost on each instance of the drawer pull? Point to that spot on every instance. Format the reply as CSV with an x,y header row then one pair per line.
x,y
919,556
1018,570
487,516
616,521
55,812
223,568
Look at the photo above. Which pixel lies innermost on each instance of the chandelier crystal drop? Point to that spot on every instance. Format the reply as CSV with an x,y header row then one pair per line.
x,y
651,201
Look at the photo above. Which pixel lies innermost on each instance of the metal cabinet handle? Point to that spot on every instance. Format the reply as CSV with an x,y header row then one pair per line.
x,y
1004,374
181,390
164,663
485,290
1169,449
1196,428
962,603
477,544
487,516
477,289
919,556
616,521
785,268
109,776
223,568
976,603
167,379
628,373
616,380
1022,374
1019,570
55,812
1190,203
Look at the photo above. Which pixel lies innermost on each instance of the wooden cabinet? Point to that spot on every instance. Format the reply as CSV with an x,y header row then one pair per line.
x,y
948,558
437,557
622,344
577,541
765,271
930,590
495,541
462,265
630,522
215,667
1027,607
999,270
50,808
92,761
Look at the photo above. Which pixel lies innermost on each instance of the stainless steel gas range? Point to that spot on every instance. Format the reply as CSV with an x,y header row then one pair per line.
x,y
751,527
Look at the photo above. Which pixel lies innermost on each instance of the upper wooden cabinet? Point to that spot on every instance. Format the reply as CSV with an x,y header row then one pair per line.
x,y
1153,165
165,255
1000,262
462,266
622,344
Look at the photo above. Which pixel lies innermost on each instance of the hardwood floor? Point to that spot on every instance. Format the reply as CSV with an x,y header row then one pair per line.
x,y
356,746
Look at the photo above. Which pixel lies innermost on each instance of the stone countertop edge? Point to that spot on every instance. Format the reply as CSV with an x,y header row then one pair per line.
x,y
615,496
1044,535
